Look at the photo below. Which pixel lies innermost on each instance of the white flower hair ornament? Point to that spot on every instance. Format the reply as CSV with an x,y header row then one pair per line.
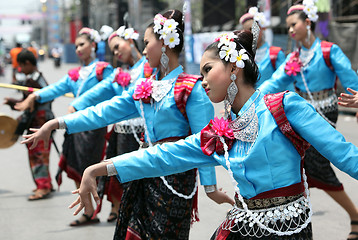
x,y
93,34
310,9
259,17
228,50
167,30
127,33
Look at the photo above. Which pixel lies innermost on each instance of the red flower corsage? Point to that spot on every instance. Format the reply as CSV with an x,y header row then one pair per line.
x,y
210,137
143,91
122,78
74,73
293,65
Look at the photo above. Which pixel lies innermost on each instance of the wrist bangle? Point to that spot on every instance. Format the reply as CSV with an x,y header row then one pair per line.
x,y
111,170
37,97
61,123
210,188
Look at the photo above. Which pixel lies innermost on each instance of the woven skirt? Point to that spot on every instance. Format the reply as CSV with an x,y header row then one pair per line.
x,y
149,210
318,169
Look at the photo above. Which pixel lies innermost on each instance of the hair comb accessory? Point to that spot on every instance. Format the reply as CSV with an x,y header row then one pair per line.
x,y
185,8
255,30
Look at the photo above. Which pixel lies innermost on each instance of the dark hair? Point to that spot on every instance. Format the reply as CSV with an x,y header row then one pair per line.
x,y
243,40
302,15
26,55
178,17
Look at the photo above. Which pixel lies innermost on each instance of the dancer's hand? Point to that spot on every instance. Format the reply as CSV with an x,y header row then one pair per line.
x,y
87,188
348,100
28,103
220,196
71,109
42,134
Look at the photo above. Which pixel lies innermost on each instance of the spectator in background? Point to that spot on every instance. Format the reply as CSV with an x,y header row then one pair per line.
x,y
13,54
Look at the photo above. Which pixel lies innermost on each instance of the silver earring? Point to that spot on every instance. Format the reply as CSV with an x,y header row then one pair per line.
x,y
93,53
164,60
308,33
134,52
232,89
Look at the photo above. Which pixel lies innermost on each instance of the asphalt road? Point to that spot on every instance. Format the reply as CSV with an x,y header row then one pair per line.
x,y
48,219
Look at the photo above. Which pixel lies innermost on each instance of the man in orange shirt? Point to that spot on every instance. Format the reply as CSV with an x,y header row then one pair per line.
x,y
13,54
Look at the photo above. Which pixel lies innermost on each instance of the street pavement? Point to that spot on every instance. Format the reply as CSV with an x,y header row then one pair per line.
x,y
46,219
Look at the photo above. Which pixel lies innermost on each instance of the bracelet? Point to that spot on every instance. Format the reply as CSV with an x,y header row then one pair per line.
x,y
61,123
111,170
37,97
210,188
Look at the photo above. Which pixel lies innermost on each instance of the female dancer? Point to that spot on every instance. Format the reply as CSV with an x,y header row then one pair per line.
x,y
121,138
261,143
268,58
82,149
314,69
173,105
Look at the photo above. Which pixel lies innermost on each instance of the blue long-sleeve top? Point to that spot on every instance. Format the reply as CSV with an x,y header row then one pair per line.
x,y
107,89
317,74
66,85
163,118
272,162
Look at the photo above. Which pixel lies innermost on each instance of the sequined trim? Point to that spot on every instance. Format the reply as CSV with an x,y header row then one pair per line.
x,y
245,127
125,127
280,213
326,100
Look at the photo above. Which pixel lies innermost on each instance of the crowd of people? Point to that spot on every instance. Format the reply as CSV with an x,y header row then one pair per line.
x,y
165,134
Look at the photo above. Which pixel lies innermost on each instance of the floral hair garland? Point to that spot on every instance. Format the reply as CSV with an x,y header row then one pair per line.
x,y
308,7
125,33
93,34
228,50
167,29
256,15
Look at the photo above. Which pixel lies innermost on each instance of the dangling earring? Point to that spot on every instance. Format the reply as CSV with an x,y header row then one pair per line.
x,y
164,60
134,53
93,53
308,34
232,90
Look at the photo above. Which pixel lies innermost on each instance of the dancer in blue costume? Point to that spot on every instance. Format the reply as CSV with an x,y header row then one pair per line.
x,y
268,58
173,105
313,68
122,43
82,149
261,143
